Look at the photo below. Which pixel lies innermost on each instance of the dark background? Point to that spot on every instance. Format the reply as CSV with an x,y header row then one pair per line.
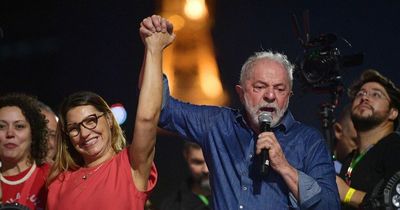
x,y
51,49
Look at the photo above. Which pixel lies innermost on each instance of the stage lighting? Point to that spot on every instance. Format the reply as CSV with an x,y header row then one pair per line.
x,y
391,193
385,196
119,113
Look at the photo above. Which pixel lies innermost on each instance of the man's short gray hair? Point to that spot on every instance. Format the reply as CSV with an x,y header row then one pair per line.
x,y
275,56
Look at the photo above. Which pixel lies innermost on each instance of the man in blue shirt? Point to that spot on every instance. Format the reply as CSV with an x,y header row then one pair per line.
x,y
301,173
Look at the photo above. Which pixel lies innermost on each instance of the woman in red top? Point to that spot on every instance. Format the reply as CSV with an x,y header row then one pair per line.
x,y
94,169
23,148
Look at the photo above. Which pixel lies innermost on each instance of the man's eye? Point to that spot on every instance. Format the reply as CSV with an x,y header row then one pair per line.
x,y
376,95
197,162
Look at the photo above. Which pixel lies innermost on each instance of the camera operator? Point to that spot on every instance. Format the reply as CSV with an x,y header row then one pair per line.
x,y
375,114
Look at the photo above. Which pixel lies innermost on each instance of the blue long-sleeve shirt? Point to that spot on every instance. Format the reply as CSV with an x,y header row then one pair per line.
x,y
229,148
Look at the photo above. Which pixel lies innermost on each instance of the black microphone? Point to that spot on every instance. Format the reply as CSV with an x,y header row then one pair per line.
x,y
264,119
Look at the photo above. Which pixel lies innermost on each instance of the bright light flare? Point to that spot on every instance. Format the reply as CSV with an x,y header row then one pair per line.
x,y
119,113
195,9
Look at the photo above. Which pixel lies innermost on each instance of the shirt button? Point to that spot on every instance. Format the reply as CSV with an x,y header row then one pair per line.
x,y
244,188
251,155
240,206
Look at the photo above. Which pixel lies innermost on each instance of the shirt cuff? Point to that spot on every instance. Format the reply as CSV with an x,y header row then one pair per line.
x,y
309,191
293,201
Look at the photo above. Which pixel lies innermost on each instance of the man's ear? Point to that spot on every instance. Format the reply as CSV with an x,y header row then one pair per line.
x,y
240,92
394,112
338,130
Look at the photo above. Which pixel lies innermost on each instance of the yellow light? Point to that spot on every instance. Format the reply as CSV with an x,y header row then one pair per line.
x,y
208,72
195,9
190,62
211,85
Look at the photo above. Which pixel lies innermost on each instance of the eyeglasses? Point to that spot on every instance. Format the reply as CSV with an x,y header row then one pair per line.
x,y
374,94
90,122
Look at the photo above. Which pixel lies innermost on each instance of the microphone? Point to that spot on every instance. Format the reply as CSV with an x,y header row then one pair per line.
x,y
264,120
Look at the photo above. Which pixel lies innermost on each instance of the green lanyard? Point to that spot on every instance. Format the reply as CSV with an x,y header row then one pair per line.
x,y
203,199
354,163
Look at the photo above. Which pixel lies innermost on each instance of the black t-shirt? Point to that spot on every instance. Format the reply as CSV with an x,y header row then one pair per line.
x,y
380,162
184,199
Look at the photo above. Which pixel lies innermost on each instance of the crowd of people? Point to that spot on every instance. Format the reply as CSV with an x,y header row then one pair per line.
x,y
78,157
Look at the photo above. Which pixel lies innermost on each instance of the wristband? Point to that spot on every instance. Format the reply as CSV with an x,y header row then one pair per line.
x,y
349,195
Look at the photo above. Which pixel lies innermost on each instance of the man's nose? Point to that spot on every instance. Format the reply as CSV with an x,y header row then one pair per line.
x,y
204,169
269,95
364,97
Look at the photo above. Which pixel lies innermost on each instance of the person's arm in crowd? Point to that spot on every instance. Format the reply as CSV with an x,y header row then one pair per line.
x,y
149,105
348,195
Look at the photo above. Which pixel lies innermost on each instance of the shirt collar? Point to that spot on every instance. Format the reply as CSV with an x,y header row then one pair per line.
x,y
285,124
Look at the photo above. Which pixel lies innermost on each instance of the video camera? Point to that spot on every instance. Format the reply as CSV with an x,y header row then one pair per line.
x,y
320,65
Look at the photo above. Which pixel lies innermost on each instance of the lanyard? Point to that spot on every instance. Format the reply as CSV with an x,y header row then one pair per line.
x,y
354,163
203,199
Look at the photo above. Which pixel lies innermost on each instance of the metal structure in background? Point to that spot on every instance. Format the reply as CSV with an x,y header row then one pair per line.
x,y
190,62
319,68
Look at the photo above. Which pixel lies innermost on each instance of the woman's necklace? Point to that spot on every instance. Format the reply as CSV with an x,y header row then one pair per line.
x,y
19,181
87,174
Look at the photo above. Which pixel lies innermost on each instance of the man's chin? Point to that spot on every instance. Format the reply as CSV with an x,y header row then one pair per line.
x,y
205,184
362,123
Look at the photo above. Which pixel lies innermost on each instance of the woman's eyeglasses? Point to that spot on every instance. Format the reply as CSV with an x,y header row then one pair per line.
x,y
90,122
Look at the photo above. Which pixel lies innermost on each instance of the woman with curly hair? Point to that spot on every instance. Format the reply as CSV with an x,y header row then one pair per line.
x,y
23,148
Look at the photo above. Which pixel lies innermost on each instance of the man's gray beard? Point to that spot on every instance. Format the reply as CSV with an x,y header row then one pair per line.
x,y
366,123
252,111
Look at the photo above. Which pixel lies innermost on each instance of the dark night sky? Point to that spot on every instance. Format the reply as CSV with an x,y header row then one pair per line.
x,y
52,49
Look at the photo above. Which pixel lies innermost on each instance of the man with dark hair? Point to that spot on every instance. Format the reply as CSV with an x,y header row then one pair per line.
x,y
375,115
194,193
345,134
345,137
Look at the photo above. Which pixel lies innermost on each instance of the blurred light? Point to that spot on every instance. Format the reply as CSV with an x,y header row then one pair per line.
x,y
119,113
211,86
190,63
177,21
195,9
209,77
